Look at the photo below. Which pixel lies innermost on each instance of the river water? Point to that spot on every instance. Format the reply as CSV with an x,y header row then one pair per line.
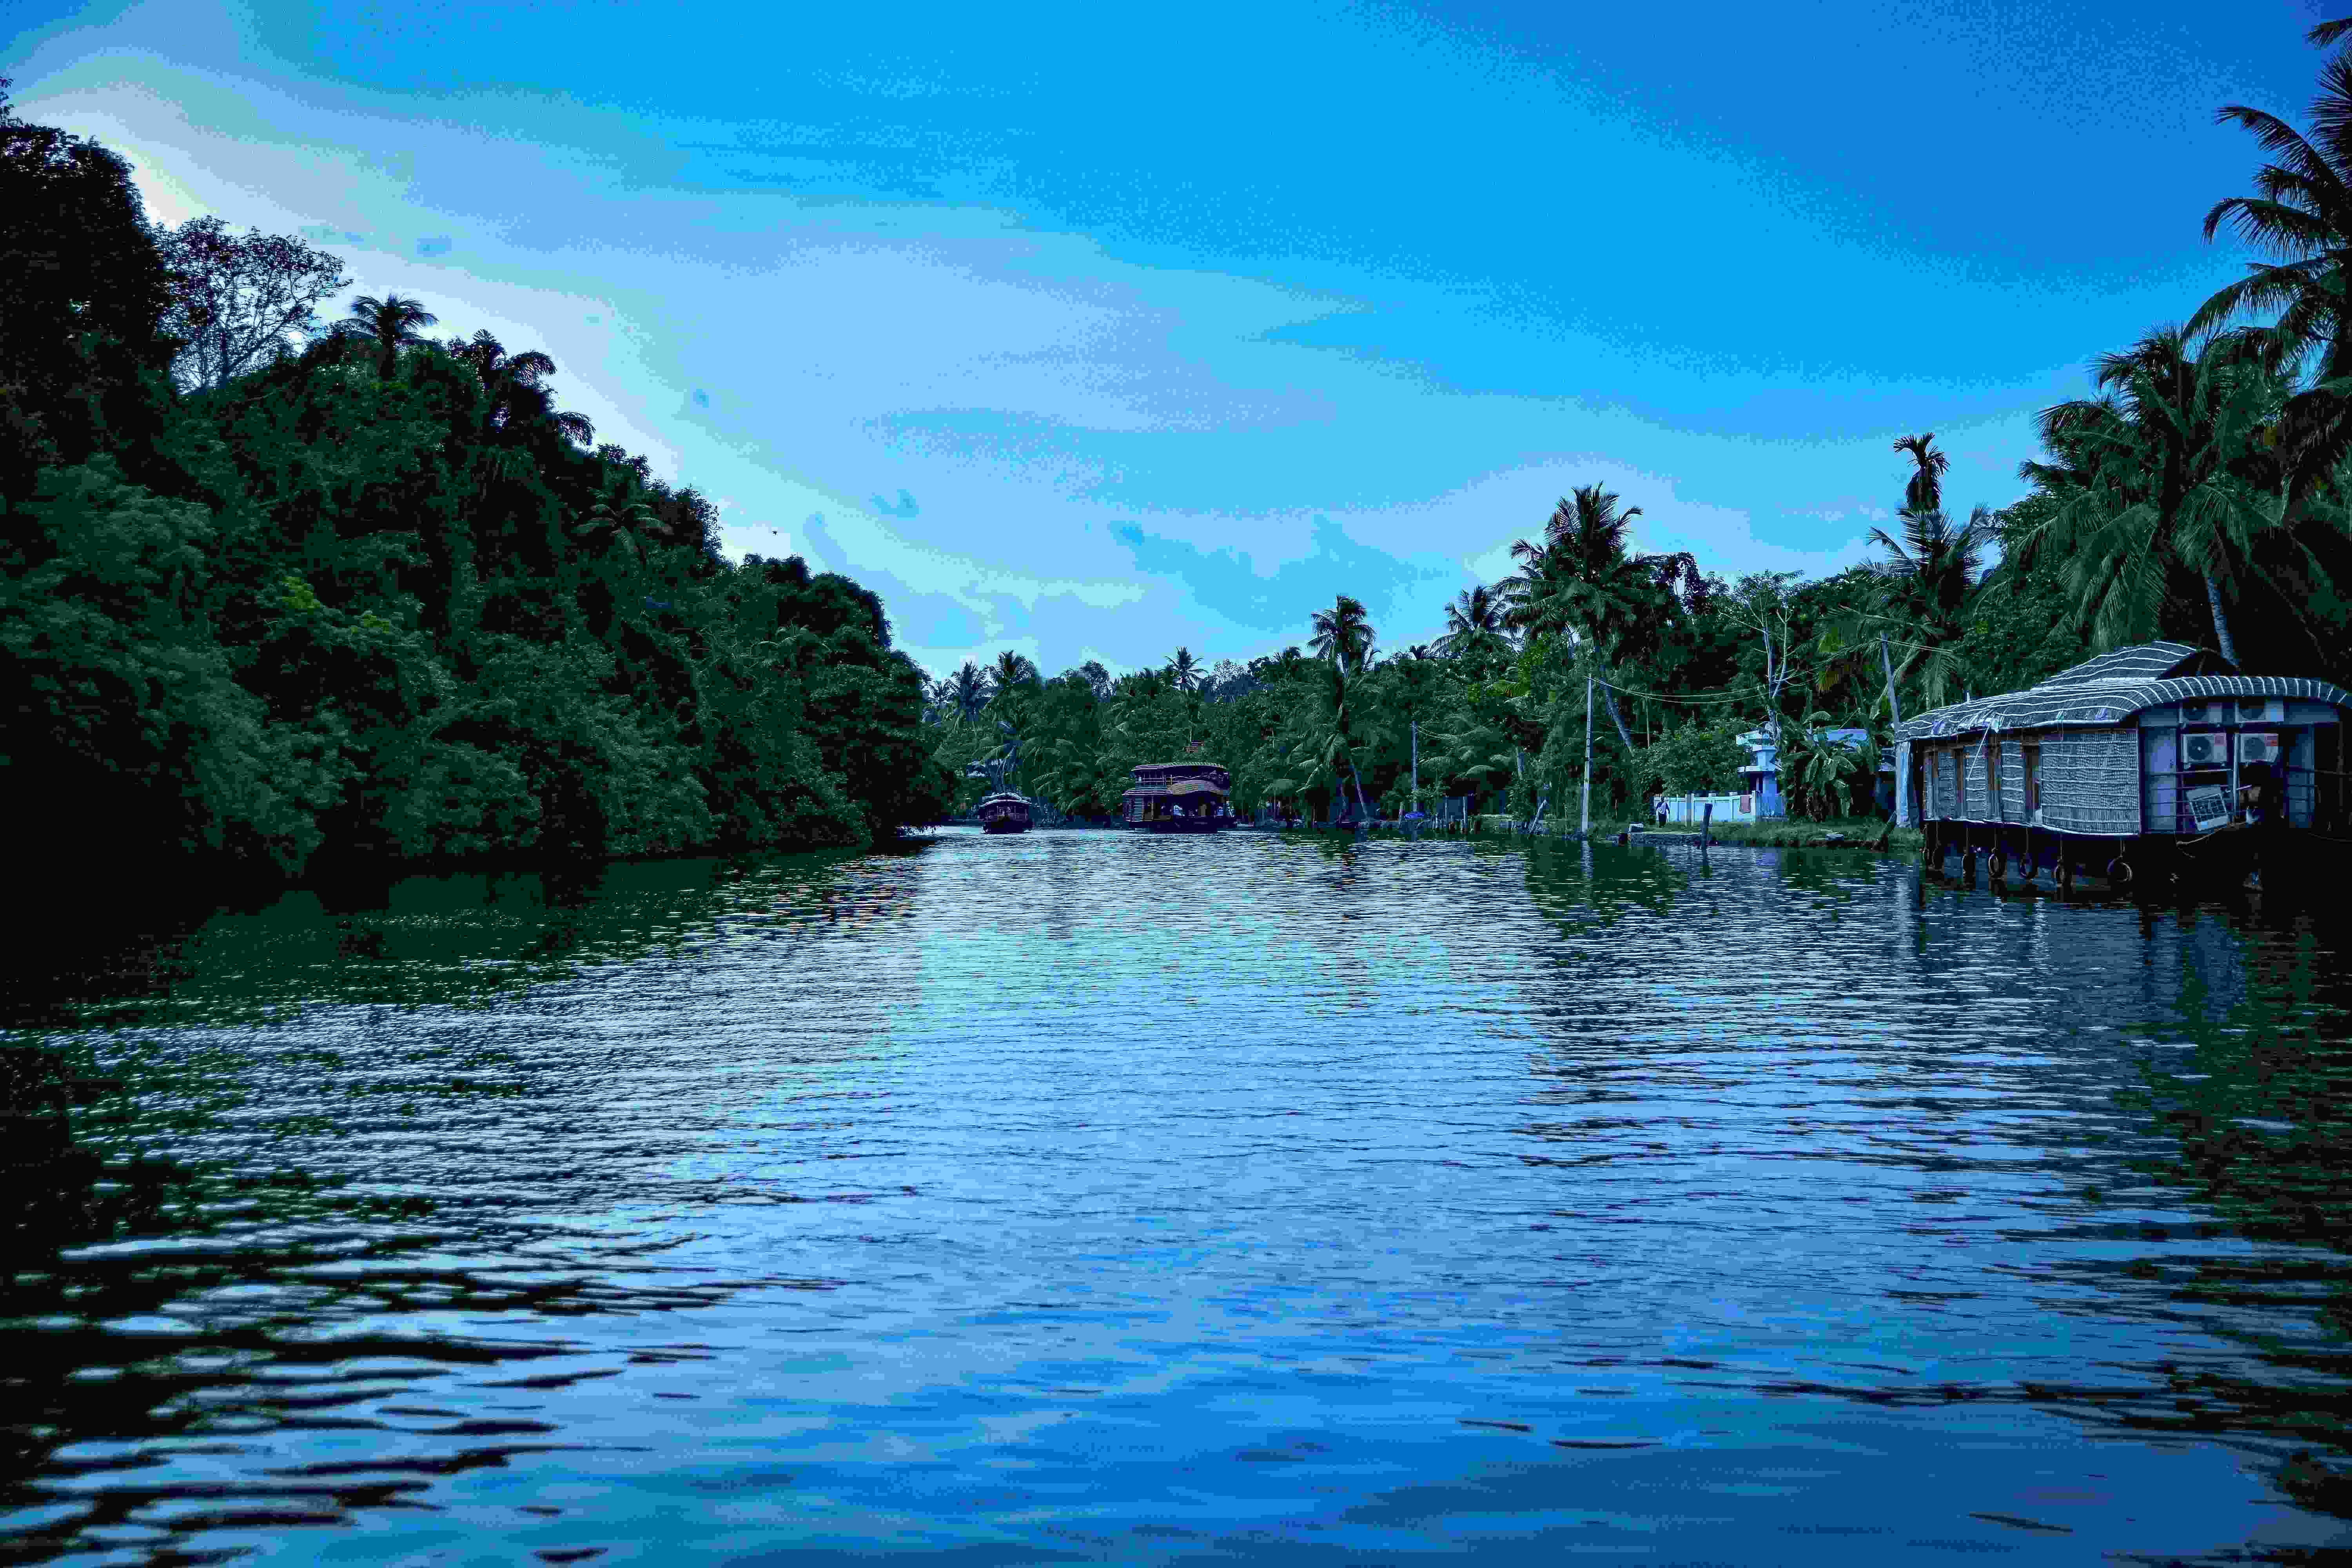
x,y
1087,1196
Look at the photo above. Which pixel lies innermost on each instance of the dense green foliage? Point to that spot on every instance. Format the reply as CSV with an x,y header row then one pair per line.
x,y
2197,498
295,598
373,603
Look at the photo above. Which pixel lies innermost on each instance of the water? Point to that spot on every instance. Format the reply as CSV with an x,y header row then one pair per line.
x,y
1085,1197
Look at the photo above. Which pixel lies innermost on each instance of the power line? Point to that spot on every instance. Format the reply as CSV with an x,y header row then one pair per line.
x,y
1743,695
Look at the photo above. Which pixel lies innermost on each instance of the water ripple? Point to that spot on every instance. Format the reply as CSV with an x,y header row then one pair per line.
x,y
1091,1197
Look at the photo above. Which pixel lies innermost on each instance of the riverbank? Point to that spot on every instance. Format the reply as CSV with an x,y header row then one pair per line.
x,y
1842,833
1848,833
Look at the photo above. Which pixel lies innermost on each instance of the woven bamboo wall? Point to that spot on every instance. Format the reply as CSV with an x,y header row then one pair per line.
x,y
1979,803
1945,772
2013,781
2090,781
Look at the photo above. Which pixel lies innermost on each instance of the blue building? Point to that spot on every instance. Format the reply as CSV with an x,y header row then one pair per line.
x,y
1759,798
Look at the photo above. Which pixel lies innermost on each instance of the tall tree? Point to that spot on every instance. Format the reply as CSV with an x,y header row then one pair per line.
x,y
1013,674
2301,215
1924,491
391,324
968,690
1185,671
82,292
518,396
1343,634
1929,574
2154,481
237,299
1474,624
1581,583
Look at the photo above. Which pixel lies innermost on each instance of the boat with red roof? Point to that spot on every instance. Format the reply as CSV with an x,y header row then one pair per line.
x,y
1005,812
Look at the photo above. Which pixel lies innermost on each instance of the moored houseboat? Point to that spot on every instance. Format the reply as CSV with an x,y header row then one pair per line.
x,y
1005,812
2160,761
1179,797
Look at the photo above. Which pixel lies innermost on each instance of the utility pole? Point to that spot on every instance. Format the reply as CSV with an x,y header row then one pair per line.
x,y
1586,829
1416,764
1902,804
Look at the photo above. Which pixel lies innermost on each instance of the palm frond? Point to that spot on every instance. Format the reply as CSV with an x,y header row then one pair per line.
x,y
2276,137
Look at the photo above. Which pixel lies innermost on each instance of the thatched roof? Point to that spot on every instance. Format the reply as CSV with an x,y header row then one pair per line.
x,y
2112,687
1181,788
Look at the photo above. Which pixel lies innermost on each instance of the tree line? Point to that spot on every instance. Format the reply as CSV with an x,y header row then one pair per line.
x,y
292,599
2198,495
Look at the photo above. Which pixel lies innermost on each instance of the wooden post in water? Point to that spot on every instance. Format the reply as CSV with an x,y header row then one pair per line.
x,y
1585,828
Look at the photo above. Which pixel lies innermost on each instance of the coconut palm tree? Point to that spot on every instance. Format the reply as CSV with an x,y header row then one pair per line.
x,y
1924,492
391,323
1479,756
1929,576
2301,215
1343,634
1935,561
968,690
519,398
1012,674
619,512
1185,671
1580,582
1324,755
1474,624
1609,608
2159,477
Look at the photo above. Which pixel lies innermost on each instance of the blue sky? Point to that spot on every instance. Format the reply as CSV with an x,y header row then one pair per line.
x,y
1089,331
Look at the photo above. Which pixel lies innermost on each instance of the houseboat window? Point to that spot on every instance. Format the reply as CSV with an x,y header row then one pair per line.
x,y
2032,750
1992,772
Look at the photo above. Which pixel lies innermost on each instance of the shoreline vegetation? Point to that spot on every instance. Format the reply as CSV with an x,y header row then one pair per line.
x,y
2200,497
288,600
1874,834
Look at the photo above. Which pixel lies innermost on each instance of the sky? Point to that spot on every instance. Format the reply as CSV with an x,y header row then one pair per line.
x,y
1090,331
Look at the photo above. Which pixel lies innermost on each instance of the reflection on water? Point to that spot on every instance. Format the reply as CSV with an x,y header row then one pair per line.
x,y
1093,1197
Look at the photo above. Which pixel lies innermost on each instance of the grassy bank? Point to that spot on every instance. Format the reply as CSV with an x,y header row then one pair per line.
x,y
1853,833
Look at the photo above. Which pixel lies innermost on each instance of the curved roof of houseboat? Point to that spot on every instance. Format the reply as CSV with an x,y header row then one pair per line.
x,y
1177,786
2112,687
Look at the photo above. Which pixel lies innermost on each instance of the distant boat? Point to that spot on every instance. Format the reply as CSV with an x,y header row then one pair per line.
x,y
1005,812
1179,797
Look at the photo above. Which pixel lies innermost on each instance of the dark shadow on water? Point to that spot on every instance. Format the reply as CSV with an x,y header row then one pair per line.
x,y
129,1198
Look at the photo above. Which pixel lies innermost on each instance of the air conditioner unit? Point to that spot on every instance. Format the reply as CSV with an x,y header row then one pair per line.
x,y
2257,746
2204,749
2204,714
2260,711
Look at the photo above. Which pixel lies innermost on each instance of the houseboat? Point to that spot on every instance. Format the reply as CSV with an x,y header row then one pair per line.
x,y
2156,761
1005,812
1179,797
